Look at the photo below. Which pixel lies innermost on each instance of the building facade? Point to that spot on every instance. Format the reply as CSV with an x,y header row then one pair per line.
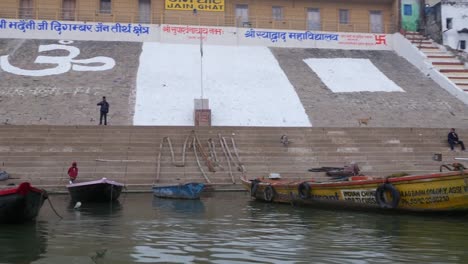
x,y
447,23
373,16
454,18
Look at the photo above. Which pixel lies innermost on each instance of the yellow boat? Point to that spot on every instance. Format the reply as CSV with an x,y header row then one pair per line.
x,y
437,192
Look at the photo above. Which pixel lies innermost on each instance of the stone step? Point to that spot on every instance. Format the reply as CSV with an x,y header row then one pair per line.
x,y
438,53
447,63
449,66
428,48
444,60
416,38
442,56
457,73
421,41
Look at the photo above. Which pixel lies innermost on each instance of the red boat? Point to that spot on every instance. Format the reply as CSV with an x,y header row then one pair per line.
x,y
21,204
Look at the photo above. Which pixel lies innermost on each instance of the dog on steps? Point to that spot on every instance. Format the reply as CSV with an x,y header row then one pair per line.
x,y
364,121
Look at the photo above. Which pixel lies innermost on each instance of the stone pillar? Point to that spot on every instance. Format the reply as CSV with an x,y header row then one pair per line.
x,y
202,113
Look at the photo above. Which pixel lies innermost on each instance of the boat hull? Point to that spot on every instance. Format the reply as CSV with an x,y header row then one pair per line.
x,y
441,192
22,204
95,191
180,191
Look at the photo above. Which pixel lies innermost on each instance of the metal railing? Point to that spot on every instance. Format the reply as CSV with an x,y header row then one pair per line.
x,y
202,19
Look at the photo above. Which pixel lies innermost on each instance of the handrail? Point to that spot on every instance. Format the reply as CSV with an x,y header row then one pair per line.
x,y
92,15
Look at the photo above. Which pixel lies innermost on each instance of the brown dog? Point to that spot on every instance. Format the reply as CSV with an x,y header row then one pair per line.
x,y
364,121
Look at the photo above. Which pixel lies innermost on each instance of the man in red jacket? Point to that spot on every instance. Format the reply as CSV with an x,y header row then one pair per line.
x,y
73,172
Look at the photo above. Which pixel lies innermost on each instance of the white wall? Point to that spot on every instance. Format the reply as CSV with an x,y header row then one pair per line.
x,y
71,30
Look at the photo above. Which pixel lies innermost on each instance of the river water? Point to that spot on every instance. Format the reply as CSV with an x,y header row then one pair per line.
x,y
228,228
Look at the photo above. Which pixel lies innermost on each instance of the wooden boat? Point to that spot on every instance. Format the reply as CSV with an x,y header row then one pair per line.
x,y
102,190
21,204
179,191
437,192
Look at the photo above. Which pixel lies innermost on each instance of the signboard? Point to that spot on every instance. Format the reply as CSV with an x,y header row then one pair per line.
x,y
314,39
200,5
77,30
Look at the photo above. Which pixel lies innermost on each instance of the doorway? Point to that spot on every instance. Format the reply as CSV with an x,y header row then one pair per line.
x,y
375,20
242,16
68,9
26,9
313,19
144,11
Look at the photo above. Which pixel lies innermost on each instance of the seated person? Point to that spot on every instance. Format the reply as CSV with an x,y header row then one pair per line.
x,y
454,140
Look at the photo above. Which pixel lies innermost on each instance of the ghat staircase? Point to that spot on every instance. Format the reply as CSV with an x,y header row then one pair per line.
x,y
445,61
141,156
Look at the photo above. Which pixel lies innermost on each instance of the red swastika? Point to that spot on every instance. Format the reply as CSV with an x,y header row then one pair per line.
x,y
380,40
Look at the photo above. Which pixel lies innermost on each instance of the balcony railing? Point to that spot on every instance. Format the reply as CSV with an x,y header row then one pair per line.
x,y
198,19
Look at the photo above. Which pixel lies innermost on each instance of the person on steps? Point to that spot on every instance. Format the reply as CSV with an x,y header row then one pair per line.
x,y
104,110
73,172
454,140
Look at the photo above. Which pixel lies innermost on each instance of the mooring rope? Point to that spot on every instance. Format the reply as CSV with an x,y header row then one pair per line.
x,y
203,153
239,167
174,162
198,160
227,158
158,167
213,155
52,206
240,164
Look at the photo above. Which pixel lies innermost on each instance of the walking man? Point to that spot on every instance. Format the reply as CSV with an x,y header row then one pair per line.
x,y
454,140
104,110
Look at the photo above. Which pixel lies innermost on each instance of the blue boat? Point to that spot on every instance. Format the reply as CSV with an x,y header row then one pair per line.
x,y
180,191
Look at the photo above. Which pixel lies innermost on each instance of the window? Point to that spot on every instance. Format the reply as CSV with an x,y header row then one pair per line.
x,y
462,44
344,16
105,6
277,13
408,10
449,23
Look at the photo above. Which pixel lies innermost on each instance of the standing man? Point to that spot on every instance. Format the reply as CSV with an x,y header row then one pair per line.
x,y
453,140
104,110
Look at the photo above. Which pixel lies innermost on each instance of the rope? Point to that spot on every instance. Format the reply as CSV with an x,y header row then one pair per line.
x,y
53,209
202,151
198,160
213,155
240,165
161,146
108,160
227,158
158,167
184,149
227,149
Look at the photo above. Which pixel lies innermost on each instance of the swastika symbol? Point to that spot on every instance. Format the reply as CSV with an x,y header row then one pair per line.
x,y
380,40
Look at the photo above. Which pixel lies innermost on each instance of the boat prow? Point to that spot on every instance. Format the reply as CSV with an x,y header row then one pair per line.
x,y
21,204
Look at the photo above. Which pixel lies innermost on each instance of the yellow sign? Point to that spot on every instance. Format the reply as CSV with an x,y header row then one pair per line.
x,y
199,5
